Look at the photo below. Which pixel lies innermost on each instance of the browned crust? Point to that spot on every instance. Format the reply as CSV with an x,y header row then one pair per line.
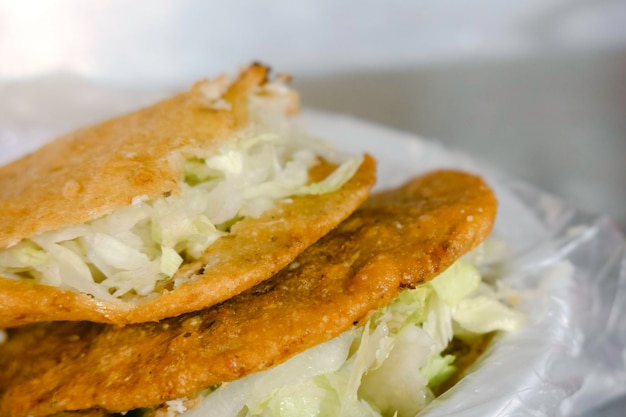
x,y
91,172
399,239
94,171
84,413
256,249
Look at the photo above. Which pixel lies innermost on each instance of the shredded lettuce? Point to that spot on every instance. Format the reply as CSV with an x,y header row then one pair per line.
x,y
439,369
130,250
386,368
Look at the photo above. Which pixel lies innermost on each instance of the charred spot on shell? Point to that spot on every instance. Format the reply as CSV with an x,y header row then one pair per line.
x,y
259,64
206,325
262,288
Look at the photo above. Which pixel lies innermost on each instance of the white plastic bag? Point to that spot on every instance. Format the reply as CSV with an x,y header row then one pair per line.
x,y
570,269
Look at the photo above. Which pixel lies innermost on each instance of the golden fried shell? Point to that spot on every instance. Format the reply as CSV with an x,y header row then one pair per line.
x,y
398,239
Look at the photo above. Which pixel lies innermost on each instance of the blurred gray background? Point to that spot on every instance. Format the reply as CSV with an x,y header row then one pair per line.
x,y
536,88
557,120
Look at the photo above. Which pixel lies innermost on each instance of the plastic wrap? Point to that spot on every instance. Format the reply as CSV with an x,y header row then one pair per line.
x,y
568,267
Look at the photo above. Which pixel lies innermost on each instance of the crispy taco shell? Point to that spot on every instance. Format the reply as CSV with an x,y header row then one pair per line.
x,y
92,172
396,240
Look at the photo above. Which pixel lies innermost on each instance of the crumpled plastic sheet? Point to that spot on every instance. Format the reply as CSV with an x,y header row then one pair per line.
x,y
568,267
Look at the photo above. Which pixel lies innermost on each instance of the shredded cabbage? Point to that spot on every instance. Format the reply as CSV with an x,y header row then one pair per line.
x,y
386,368
130,250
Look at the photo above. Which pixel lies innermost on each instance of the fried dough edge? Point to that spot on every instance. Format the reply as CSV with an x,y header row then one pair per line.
x,y
398,239
256,249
